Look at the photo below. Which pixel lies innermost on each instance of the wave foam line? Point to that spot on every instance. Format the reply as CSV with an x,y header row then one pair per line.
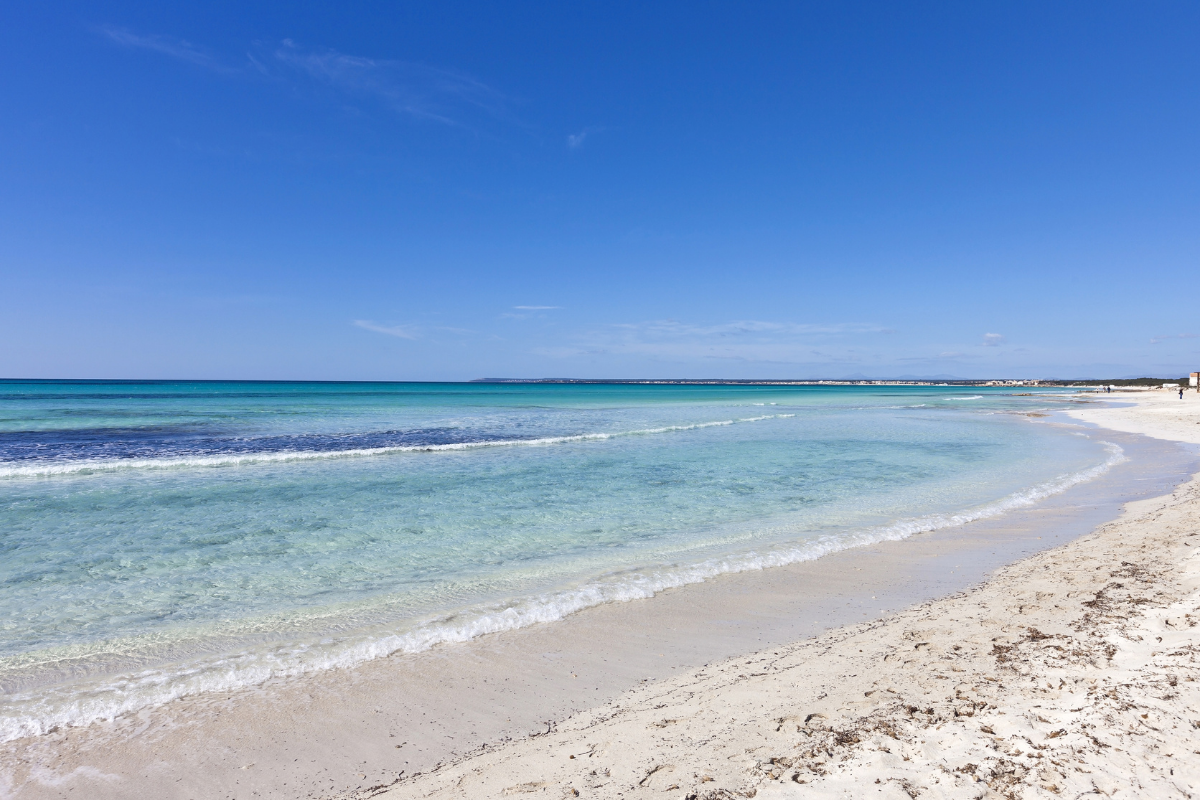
x,y
150,688
112,465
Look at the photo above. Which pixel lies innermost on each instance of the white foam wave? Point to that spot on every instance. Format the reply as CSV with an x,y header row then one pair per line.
x,y
31,716
886,408
85,466
972,397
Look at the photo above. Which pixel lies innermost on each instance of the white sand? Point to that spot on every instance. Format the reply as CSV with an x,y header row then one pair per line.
x,y
832,711
1067,674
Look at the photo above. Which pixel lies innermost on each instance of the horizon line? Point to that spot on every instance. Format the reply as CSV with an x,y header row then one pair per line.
x,y
731,381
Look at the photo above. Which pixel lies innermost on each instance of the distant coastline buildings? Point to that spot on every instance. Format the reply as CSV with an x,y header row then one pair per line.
x,y
1127,383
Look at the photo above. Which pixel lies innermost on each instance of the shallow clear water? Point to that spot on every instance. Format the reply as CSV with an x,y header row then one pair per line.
x,y
161,539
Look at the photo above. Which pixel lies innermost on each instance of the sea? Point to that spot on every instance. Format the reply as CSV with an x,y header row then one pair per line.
x,y
165,539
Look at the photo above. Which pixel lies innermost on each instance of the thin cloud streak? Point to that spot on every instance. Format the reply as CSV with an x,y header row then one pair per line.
x,y
400,331
576,140
674,328
743,340
536,308
428,93
416,90
1158,339
168,46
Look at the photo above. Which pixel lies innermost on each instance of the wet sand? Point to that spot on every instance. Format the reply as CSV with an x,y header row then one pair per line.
x,y
346,732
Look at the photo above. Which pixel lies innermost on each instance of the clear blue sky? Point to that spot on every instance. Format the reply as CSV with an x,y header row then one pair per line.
x,y
456,190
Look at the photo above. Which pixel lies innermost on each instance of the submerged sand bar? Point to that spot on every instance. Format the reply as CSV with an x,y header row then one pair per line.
x,y
960,696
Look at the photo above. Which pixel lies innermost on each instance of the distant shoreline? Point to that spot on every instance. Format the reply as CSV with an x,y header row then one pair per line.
x,y
1144,382
996,382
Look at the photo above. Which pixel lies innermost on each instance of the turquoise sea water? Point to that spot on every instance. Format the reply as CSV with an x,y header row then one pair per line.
x,y
168,538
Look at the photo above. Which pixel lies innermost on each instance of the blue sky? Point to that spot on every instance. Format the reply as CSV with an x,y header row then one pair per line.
x,y
459,190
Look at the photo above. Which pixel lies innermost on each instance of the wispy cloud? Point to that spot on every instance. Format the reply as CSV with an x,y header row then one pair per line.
x,y
576,140
674,328
401,331
1158,339
421,91
169,46
742,340
417,90
564,352
528,312
992,340
940,358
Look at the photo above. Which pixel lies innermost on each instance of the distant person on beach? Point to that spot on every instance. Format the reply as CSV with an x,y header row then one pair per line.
x,y
1180,392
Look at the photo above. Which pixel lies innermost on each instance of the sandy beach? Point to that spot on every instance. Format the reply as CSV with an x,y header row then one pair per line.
x,y
1069,673
1046,651
694,401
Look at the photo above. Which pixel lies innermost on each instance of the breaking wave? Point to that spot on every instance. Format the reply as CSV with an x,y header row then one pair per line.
x,y
50,468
